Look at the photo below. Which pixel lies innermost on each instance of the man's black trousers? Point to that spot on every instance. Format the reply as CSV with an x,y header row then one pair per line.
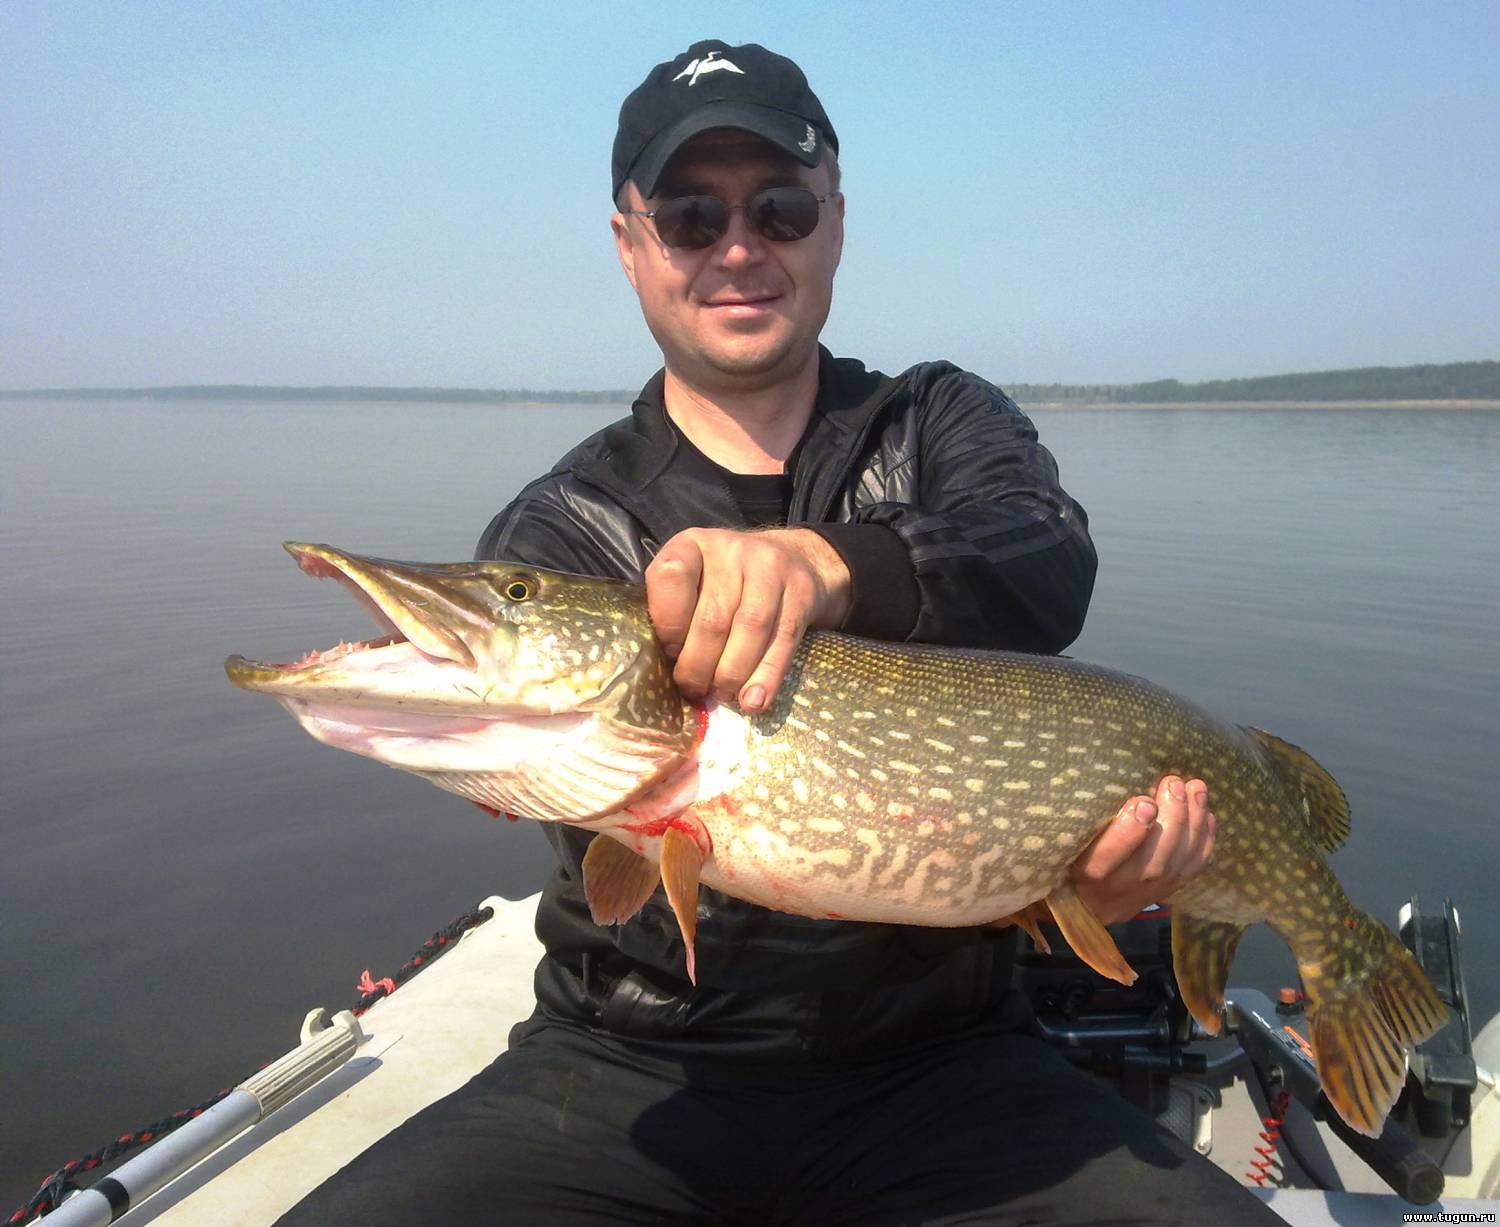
x,y
578,1128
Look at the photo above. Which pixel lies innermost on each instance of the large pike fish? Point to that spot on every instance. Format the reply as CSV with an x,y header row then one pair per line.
x,y
896,783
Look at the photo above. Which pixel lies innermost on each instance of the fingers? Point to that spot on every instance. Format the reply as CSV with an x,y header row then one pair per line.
x,y
672,582
1152,848
1118,842
732,607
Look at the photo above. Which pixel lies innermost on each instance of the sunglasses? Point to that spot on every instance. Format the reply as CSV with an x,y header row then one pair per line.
x,y
781,214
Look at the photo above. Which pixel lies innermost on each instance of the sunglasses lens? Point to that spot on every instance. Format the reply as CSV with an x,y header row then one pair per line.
x,y
692,222
783,214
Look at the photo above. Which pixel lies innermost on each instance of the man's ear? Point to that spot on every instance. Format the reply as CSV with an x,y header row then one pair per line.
x,y
624,245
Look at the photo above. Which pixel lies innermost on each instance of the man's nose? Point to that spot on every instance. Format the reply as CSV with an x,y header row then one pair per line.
x,y
739,245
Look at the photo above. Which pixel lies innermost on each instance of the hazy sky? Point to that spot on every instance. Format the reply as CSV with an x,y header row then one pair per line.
x,y
308,192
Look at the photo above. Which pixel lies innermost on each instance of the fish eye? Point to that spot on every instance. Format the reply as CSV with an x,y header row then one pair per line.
x,y
518,588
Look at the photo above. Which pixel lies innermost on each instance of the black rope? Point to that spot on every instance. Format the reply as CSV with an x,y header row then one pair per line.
x,y
60,1183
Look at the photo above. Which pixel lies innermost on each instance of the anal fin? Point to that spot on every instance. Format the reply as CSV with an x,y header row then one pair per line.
x,y
1086,933
616,881
681,865
1202,951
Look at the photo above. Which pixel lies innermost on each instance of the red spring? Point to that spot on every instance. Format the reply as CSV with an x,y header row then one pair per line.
x,y
1266,1156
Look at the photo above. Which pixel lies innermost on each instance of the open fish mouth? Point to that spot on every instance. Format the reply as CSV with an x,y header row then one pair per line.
x,y
412,640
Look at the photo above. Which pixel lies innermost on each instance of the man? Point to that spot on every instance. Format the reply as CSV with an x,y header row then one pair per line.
x,y
819,1072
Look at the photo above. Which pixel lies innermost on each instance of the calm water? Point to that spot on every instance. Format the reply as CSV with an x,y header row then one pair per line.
x,y
183,872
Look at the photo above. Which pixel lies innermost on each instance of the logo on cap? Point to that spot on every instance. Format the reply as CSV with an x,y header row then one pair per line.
x,y
811,143
709,63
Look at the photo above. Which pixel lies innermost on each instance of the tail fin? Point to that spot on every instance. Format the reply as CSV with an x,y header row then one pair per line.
x,y
1362,1014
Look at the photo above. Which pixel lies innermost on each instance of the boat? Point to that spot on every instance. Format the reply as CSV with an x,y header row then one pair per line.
x,y
1248,1100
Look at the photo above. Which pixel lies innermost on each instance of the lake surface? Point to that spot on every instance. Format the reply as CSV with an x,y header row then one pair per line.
x,y
184,873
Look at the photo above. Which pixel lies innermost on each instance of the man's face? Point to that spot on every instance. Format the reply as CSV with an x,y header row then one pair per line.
x,y
747,311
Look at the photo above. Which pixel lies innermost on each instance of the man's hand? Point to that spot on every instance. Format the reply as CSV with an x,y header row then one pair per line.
x,y
733,606
1149,850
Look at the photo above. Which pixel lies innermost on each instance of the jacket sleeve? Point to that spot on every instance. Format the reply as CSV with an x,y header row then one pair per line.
x,y
1001,555
553,523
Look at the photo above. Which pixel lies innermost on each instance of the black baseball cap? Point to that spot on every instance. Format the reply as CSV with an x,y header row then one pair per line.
x,y
714,85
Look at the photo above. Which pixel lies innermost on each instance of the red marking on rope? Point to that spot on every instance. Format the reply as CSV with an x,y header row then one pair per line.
x,y
367,985
1270,1135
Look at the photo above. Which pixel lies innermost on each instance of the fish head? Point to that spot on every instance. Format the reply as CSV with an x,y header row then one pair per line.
x,y
493,680
472,638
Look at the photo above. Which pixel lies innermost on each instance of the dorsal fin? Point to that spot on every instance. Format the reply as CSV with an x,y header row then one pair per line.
x,y
1323,802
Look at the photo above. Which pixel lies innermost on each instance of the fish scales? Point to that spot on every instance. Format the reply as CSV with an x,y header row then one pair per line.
x,y
888,782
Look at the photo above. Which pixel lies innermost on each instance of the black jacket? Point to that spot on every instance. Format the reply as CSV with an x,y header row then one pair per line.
x,y
934,489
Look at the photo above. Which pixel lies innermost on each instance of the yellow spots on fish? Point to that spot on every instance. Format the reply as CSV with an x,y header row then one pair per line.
x,y
783,806
1085,794
965,818
865,802
974,785
1033,843
1001,823
1122,753
839,801
852,751
1076,750
864,715
897,764
822,735
899,809
801,725
1047,736
940,794
941,769
1016,785
970,838
825,714
809,683
825,826
799,789
997,764
942,747
926,827
1114,727
1065,839
1021,873
978,739
983,713
946,722
1014,745
762,793
898,735
877,774
1115,790
1041,811
912,713
823,767
790,826
1083,720
886,690
1038,763
801,700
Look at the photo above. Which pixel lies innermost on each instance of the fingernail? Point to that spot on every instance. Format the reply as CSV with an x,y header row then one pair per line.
x,y
754,698
1145,812
1200,796
1179,793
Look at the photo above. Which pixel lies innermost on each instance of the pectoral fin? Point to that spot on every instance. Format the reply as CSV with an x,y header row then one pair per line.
x,y
1087,935
616,881
681,863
